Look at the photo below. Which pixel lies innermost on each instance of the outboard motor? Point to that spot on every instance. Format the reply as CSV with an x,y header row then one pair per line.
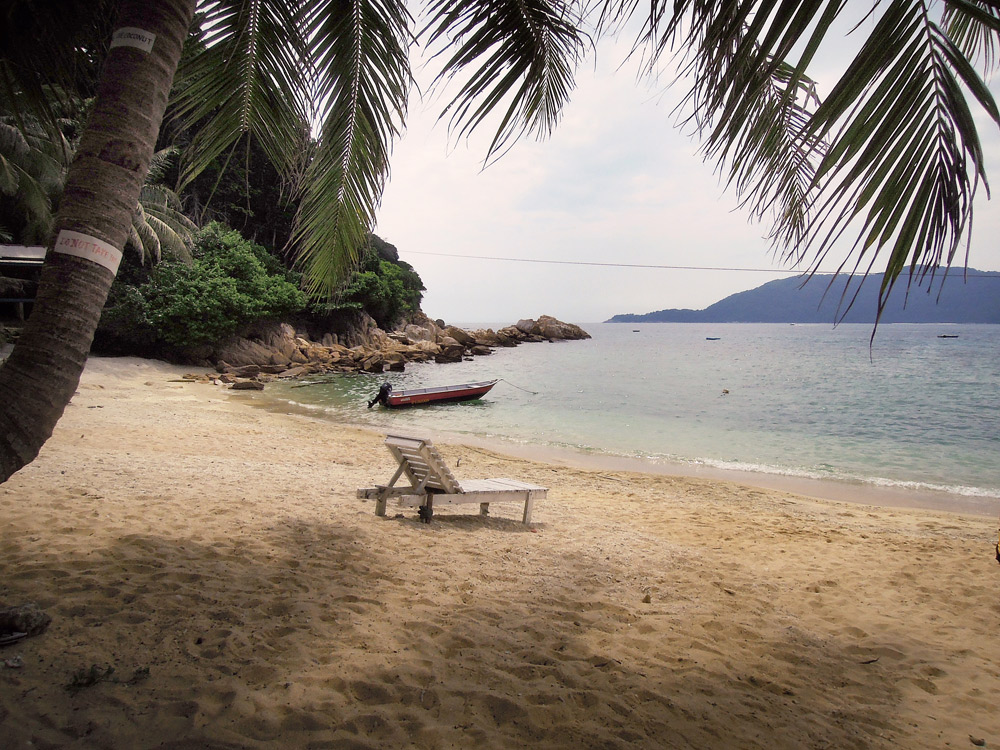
x,y
382,397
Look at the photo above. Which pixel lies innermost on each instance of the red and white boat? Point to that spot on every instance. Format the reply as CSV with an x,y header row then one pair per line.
x,y
436,395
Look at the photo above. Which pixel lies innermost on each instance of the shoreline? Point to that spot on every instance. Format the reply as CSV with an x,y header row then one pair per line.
x,y
857,493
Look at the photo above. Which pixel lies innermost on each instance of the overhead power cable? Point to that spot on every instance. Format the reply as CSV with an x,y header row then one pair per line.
x,y
595,263
640,265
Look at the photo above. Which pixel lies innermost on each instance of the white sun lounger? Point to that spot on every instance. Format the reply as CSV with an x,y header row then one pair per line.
x,y
431,483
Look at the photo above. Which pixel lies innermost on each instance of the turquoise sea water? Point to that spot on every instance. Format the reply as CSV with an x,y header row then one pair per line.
x,y
915,411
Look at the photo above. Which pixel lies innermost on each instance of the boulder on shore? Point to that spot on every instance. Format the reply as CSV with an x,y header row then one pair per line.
x,y
277,349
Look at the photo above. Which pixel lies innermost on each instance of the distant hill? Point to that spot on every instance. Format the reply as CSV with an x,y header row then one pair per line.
x,y
975,299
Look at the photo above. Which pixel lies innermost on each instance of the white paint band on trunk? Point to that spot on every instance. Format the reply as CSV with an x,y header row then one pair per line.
x,y
129,36
88,248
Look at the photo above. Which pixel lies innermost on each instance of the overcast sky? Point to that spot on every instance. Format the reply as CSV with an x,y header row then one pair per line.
x,y
616,183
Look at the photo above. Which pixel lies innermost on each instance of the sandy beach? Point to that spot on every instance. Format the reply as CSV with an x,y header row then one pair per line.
x,y
215,583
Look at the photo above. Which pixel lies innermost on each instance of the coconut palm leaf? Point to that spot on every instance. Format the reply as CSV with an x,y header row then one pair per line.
x,y
905,160
248,75
31,172
520,52
361,83
158,225
974,26
174,243
14,149
748,100
897,129
142,239
10,174
163,214
771,165
891,156
160,163
34,203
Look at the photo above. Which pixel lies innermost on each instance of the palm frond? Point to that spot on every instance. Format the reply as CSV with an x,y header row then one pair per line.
x,y
29,178
362,79
160,163
892,155
250,75
162,200
10,176
905,159
49,160
36,204
174,241
749,103
771,165
134,243
522,52
162,211
142,239
33,152
973,27
13,142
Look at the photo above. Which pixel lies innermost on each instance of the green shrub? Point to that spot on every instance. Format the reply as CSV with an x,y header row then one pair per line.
x,y
387,290
230,283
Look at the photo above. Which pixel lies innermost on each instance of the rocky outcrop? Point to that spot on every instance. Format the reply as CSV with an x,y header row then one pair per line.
x,y
550,329
277,350
555,330
266,344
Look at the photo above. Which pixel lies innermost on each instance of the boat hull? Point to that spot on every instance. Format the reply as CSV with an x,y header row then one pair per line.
x,y
440,395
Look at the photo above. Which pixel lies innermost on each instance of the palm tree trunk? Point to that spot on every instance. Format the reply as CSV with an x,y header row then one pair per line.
x,y
102,190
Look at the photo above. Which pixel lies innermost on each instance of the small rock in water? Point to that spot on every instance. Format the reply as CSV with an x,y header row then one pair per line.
x,y
247,385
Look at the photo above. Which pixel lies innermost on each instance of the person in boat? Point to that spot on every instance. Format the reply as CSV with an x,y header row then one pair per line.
x,y
382,397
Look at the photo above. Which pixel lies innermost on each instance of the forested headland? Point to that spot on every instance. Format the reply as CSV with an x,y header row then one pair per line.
x,y
964,296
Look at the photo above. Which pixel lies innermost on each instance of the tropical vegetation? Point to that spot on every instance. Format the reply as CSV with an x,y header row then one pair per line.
x,y
229,283
382,286
172,309
892,155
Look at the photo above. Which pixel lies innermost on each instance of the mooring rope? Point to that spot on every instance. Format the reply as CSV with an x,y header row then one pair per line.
x,y
533,393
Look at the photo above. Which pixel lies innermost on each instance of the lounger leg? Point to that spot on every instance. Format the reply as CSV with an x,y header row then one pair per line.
x,y
426,511
484,509
528,506
380,503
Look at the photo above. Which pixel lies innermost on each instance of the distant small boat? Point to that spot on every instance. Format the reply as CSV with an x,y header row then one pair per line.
x,y
635,330
947,335
712,338
436,395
